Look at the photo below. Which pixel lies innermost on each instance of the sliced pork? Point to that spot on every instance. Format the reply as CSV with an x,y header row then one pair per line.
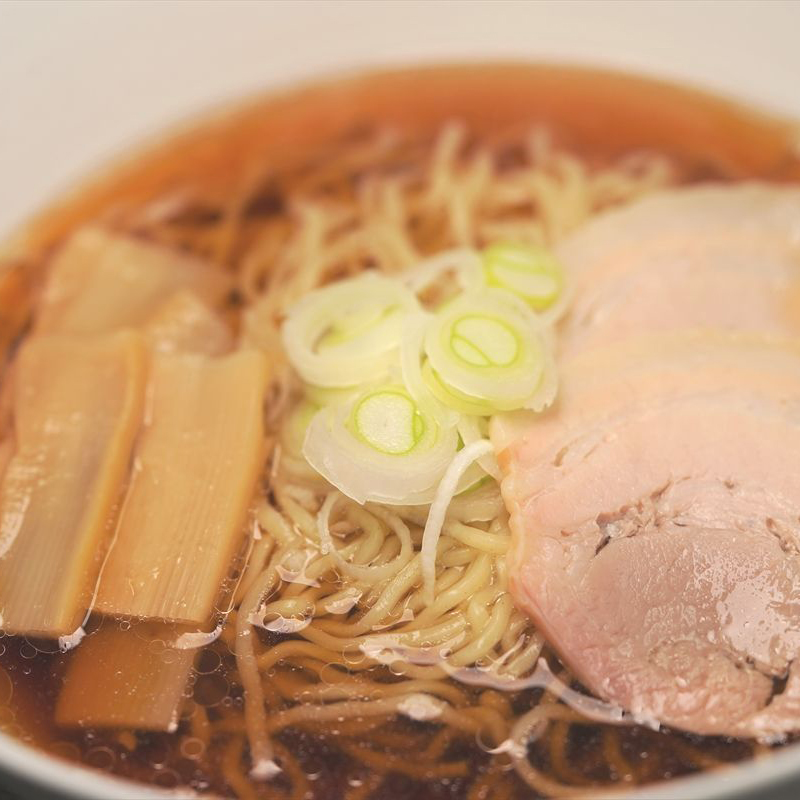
x,y
658,552
724,258
655,509
649,369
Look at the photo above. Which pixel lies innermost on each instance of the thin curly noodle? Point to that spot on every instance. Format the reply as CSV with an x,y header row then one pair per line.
x,y
347,606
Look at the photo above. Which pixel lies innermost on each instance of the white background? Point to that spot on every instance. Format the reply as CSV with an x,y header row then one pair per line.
x,y
80,80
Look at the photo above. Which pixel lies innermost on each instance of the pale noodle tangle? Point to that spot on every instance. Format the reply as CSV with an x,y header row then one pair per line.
x,y
410,201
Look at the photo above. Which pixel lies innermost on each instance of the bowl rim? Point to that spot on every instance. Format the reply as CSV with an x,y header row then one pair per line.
x,y
64,779
43,770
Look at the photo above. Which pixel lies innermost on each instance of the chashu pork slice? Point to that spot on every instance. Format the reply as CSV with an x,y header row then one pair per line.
x,y
749,212
657,550
599,382
724,258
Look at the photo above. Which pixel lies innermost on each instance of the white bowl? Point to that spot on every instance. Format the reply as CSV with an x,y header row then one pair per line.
x,y
81,81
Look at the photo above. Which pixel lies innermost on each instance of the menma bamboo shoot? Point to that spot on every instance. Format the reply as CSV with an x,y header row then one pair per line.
x,y
195,470
77,408
101,281
185,324
134,678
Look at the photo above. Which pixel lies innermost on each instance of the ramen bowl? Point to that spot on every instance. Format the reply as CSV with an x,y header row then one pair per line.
x,y
216,56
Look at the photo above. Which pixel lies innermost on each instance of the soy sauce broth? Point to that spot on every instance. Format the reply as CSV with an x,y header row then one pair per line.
x,y
283,142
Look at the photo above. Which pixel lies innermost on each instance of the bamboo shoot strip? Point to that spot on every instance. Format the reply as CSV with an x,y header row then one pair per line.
x,y
195,470
125,679
6,419
6,452
100,281
185,324
77,408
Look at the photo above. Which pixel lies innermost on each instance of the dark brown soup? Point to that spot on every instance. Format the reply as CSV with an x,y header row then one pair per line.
x,y
288,193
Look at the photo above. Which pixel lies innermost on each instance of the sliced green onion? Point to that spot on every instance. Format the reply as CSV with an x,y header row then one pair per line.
x,y
382,447
389,421
469,429
295,425
322,396
533,273
452,398
465,264
487,349
349,332
411,357
436,515
403,393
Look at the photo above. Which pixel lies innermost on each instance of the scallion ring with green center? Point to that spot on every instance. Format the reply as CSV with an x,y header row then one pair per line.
x,y
487,352
341,334
382,446
530,272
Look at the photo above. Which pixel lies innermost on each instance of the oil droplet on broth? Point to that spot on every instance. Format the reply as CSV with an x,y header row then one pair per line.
x,y
100,757
331,674
188,707
210,690
44,645
167,779
27,651
207,662
192,748
353,657
157,647
168,657
65,750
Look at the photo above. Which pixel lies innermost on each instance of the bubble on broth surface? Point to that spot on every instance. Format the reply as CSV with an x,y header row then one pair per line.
x,y
330,674
188,707
42,646
168,656
210,690
192,747
157,647
155,749
66,750
167,779
27,650
353,657
100,757
207,662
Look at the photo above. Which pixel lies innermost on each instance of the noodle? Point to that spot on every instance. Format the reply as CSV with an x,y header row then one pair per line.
x,y
392,223
332,594
255,716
